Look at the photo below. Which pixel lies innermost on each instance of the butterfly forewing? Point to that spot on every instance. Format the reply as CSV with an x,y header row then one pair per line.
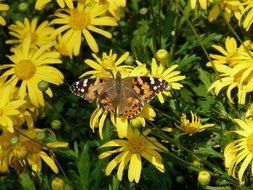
x,y
90,88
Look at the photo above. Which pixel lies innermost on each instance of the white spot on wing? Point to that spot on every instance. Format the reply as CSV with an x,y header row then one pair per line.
x,y
85,82
152,80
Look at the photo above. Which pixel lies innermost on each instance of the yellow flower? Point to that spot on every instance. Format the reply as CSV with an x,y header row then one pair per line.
x,y
80,21
235,66
3,7
40,35
240,77
131,151
27,148
193,126
107,65
240,151
203,4
10,109
170,75
229,7
30,66
40,4
114,6
231,55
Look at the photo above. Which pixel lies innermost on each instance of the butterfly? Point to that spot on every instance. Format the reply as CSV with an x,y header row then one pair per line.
x,y
123,96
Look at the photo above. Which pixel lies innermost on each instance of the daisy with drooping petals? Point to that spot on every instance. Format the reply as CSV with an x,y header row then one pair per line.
x,y
131,151
79,21
40,4
27,147
40,35
30,66
240,151
170,75
3,7
193,126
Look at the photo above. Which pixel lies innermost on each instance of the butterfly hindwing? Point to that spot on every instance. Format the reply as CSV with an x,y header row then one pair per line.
x,y
130,105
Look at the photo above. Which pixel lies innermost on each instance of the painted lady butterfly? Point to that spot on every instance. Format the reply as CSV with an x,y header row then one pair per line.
x,y
124,96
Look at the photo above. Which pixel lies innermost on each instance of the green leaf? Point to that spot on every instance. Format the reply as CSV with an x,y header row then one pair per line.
x,y
83,166
208,152
26,182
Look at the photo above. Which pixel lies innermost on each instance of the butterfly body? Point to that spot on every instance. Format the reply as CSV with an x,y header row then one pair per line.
x,y
123,96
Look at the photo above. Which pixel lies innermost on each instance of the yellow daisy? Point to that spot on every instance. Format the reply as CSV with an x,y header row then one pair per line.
x,y
131,151
40,4
193,126
11,111
3,7
231,55
30,66
228,7
239,77
107,65
28,148
40,35
240,151
98,117
80,21
170,75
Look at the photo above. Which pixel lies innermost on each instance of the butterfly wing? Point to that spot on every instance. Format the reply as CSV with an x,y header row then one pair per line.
x,y
130,104
107,100
90,88
146,87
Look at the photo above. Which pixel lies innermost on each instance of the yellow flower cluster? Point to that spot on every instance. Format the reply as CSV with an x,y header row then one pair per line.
x,y
24,82
242,10
235,66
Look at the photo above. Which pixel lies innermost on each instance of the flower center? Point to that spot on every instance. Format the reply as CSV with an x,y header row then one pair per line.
x,y
136,145
25,69
107,62
20,151
250,142
32,147
78,20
